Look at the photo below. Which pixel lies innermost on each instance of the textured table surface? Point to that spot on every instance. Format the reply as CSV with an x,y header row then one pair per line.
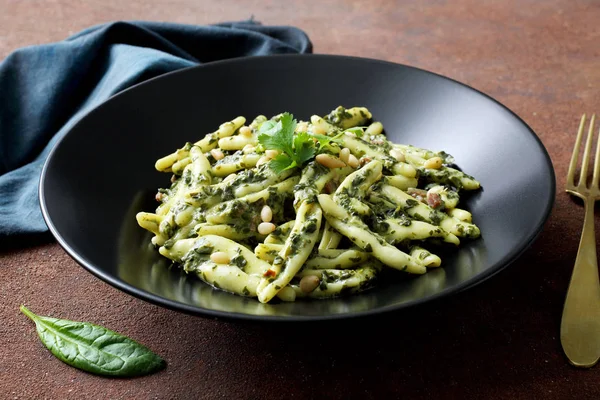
x,y
497,340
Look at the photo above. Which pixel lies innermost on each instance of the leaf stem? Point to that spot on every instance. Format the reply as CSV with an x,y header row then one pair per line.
x,y
26,311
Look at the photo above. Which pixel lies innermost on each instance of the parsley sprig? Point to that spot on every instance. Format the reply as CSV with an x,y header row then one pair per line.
x,y
295,149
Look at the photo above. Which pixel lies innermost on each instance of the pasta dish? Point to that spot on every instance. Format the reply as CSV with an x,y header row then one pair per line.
x,y
291,209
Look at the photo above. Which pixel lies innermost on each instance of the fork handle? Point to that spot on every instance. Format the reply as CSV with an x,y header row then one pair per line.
x,y
580,325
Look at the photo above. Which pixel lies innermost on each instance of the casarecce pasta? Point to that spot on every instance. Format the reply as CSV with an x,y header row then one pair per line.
x,y
287,209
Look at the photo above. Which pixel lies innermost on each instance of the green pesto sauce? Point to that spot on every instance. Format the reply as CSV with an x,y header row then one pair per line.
x,y
311,225
240,262
410,203
234,158
444,175
436,217
212,138
340,114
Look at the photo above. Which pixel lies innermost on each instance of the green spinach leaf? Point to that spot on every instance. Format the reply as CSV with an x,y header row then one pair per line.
x,y
93,348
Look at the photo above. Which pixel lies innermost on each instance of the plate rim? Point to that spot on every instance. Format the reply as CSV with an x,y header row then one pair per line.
x,y
205,312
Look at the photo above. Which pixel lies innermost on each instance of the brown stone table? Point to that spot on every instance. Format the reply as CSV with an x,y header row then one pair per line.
x,y
498,340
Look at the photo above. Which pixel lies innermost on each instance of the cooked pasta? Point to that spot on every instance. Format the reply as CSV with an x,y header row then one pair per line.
x,y
287,209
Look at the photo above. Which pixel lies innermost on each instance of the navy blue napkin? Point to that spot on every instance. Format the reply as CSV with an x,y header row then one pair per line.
x,y
45,89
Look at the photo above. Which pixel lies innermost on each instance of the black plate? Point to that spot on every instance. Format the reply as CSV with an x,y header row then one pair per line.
x,y
102,172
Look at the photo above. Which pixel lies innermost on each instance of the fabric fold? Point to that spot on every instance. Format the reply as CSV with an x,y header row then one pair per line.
x,y
46,89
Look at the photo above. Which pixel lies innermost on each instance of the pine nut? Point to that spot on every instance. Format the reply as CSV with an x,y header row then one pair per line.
x,y
257,121
264,228
229,178
217,154
301,127
364,160
266,214
344,154
271,154
248,149
330,162
374,129
245,131
433,163
309,283
318,130
353,161
398,155
261,161
220,257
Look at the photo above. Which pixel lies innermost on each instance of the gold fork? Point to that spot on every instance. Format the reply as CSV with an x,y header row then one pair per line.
x,y
580,326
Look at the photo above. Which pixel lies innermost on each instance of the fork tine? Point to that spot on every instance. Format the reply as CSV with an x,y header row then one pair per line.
x,y
596,176
586,153
575,155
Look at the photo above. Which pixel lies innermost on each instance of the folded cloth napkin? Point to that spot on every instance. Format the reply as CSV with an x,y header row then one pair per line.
x,y
46,89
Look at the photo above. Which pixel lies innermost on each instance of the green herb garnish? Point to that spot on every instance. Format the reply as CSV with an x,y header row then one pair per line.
x,y
325,140
93,348
294,150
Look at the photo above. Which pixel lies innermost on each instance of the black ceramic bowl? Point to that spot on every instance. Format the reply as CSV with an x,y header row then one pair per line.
x,y
102,172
